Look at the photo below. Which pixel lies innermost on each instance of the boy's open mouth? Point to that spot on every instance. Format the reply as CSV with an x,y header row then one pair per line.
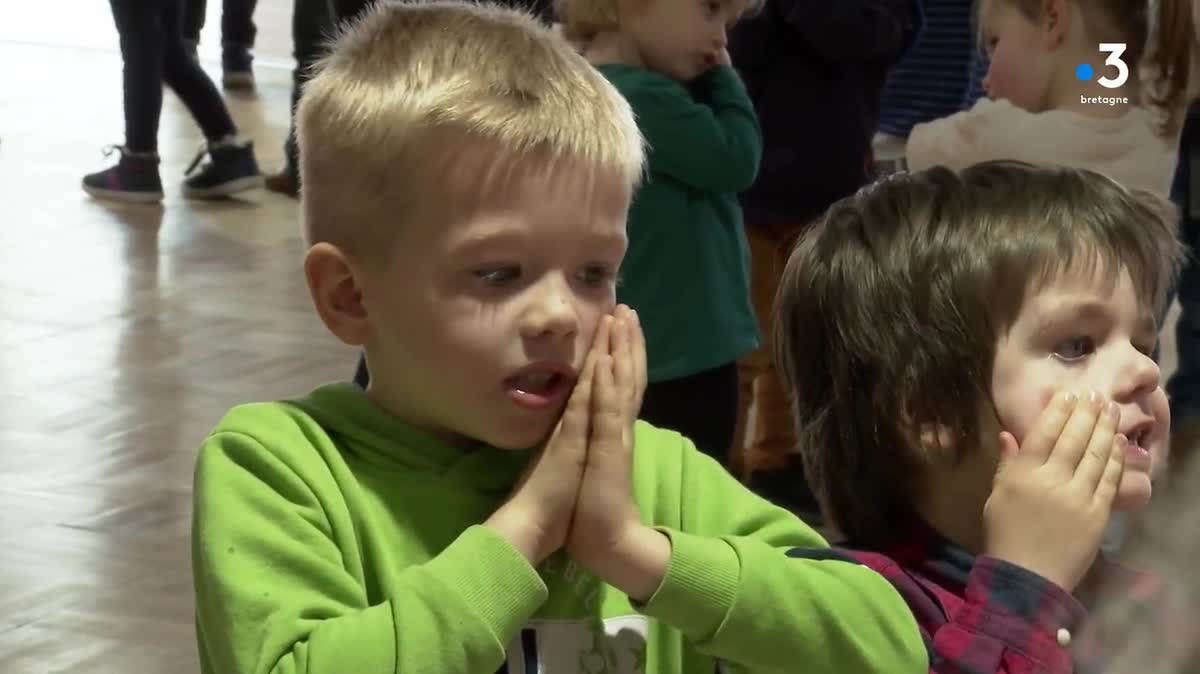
x,y
541,385
535,382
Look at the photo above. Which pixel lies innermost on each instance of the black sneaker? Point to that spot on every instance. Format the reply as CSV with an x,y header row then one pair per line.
x,y
236,69
135,178
232,170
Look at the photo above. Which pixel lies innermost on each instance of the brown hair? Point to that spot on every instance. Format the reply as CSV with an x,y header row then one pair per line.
x,y
1173,42
416,90
890,308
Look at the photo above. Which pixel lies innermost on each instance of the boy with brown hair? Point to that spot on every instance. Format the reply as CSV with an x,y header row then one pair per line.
x,y
969,355
480,507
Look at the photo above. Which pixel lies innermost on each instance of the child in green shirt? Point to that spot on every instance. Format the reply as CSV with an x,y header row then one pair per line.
x,y
488,503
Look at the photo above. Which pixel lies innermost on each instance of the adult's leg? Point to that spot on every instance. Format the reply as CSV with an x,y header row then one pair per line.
x,y
143,44
237,23
348,10
703,407
312,23
188,79
193,19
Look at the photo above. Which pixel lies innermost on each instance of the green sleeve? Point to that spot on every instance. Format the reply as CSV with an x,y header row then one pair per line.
x,y
712,146
732,589
273,593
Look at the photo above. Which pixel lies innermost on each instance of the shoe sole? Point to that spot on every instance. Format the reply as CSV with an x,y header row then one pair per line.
x,y
119,195
224,189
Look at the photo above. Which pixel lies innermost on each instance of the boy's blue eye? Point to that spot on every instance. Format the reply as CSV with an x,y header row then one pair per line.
x,y
498,275
1075,348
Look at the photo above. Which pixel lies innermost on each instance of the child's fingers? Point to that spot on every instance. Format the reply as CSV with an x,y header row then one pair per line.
x,y
1040,440
1076,435
574,422
1114,469
608,420
1095,459
623,354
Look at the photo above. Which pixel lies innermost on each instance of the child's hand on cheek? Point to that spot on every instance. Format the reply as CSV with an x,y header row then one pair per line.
x,y
607,534
1053,495
537,516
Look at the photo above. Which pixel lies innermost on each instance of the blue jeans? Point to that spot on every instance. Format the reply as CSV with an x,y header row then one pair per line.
x,y
1183,388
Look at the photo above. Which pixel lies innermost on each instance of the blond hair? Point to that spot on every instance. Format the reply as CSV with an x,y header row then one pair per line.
x,y
414,89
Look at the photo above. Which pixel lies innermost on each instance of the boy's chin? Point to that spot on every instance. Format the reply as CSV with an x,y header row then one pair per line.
x,y
515,439
1134,492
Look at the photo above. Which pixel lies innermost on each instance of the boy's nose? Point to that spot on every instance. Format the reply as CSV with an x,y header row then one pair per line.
x,y
553,315
1138,376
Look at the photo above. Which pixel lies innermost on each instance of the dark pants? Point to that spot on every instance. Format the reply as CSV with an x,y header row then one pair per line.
x,y
703,407
312,23
153,54
1184,386
237,22
346,10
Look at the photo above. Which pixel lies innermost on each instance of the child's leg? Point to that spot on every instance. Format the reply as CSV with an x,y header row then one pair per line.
x,y
703,407
187,78
139,24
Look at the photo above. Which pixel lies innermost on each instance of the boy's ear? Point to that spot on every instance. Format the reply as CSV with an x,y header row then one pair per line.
x,y
337,293
1055,21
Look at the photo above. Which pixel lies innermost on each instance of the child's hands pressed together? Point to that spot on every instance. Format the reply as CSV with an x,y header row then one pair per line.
x,y
607,535
537,516
1053,495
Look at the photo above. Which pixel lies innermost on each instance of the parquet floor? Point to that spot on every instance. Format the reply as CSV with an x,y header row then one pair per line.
x,y
125,333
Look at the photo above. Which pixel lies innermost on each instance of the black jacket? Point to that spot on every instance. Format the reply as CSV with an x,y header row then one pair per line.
x,y
815,70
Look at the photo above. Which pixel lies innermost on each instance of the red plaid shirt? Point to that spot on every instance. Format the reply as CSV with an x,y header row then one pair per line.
x,y
981,615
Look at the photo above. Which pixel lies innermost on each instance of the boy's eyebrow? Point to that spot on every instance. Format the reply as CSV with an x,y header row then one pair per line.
x,y
1088,310
483,241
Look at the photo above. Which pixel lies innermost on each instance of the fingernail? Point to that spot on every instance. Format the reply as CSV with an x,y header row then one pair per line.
x,y
1113,411
1094,399
636,320
1122,441
1070,398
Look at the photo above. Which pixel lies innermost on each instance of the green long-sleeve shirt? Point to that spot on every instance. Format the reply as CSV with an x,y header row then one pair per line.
x,y
687,268
331,538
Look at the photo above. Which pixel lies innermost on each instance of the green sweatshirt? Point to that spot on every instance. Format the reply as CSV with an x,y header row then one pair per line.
x,y
331,538
687,268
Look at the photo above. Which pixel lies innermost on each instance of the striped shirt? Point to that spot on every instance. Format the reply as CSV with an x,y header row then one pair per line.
x,y
941,74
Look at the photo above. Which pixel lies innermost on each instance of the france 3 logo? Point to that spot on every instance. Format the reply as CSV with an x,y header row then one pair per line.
x,y
1115,50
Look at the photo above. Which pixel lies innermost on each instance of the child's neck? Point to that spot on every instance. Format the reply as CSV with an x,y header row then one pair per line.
x,y
953,496
613,46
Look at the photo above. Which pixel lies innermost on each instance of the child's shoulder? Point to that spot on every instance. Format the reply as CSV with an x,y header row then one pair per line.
x,y
290,428
631,81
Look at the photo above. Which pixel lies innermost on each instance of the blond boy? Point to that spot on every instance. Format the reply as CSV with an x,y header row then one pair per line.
x,y
466,177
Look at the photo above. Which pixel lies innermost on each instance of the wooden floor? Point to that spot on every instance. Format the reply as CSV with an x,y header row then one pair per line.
x,y
125,333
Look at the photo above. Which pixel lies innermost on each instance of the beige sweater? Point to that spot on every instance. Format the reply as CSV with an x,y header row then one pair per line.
x,y
1126,148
